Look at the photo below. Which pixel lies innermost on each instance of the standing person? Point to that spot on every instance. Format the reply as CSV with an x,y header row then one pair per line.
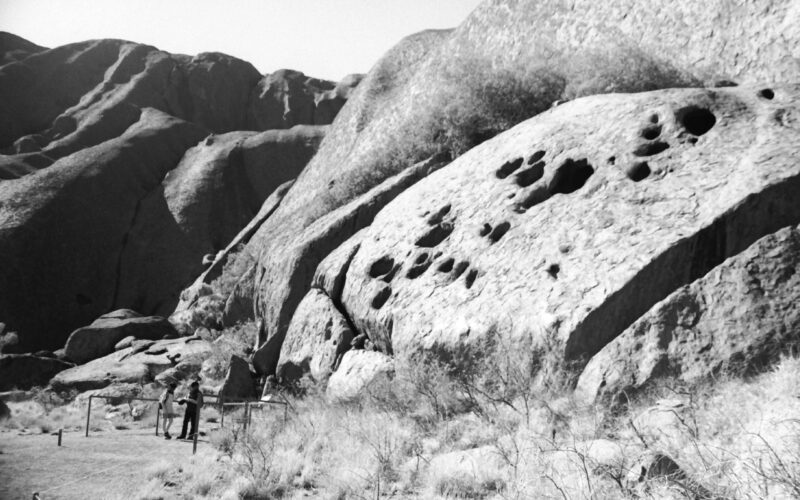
x,y
167,411
193,404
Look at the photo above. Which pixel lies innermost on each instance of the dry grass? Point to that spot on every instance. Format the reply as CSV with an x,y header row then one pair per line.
x,y
731,438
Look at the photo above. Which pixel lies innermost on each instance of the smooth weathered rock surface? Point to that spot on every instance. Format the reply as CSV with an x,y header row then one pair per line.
x,y
357,370
128,366
238,382
317,338
23,371
740,316
404,108
14,48
557,235
101,337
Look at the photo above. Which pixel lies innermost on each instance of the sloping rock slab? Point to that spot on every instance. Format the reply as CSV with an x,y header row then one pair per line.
x,y
317,337
558,234
23,371
238,382
356,372
124,367
740,316
101,337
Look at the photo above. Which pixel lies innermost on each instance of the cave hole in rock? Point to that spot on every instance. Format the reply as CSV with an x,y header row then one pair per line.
x,y
535,157
639,171
536,196
391,274
530,175
508,168
612,160
571,176
446,266
435,235
471,276
651,133
766,94
421,258
499,231
438,217
381,266
381,297
486,229
460,268
696,120
553,271
417,270
654,118
651,148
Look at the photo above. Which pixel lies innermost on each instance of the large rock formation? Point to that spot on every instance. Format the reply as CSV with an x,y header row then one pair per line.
x,y
14,48
101,337
509,60
90,131
740,316
23,371
557,235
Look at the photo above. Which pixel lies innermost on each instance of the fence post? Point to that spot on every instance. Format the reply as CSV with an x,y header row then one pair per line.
x,y
246,413
196,429
222,411
88,414
59,436
158,414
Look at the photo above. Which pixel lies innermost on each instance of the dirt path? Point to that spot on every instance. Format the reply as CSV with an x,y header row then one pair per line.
x,y
114,461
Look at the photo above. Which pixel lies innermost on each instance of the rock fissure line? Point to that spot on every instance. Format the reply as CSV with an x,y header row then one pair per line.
x,y
725,237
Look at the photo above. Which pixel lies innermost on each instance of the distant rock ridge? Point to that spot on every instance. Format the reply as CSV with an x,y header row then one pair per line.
x,y
125,166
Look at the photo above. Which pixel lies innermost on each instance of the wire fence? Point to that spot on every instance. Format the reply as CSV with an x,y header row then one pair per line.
x,y
221,403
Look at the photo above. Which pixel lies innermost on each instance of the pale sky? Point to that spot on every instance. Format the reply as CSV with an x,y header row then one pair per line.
x,y
322,38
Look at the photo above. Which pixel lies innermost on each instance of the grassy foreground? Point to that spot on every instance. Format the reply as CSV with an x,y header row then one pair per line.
x,y
424,435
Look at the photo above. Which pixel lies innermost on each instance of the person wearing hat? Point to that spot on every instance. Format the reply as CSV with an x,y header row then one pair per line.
x,y
167,412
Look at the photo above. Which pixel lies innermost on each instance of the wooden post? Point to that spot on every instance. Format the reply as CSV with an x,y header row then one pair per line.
x,y
222,411
285,412
59,436
88,415
250,417
246,412
196,429
158,414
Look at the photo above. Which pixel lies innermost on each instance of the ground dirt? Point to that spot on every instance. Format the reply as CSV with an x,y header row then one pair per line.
x,y
107,464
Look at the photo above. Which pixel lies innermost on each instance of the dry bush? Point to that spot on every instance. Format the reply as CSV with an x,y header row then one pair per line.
x,y
237,264
236,340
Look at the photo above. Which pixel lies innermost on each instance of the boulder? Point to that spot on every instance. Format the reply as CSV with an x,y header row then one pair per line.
x,y
124,343
23,371
101,337
180,372
555,236
127,366
356,372
316,340
739,317
238,382
509,60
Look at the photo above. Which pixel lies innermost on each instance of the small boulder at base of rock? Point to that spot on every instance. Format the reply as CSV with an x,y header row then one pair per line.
x,y
238,381
23,371
357,371
100,338
5,412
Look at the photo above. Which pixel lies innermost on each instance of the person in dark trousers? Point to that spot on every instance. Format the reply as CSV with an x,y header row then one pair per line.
x,y
193,404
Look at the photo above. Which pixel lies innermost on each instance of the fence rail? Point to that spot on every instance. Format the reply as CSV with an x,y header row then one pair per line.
x,y
221,402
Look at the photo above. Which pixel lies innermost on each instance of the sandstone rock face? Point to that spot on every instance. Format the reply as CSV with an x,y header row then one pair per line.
x,y
23,371
430,92
14,48
128,366
238,381
101,337
557,235
86,204
287,98
317,338
82,111
741,315
357,370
